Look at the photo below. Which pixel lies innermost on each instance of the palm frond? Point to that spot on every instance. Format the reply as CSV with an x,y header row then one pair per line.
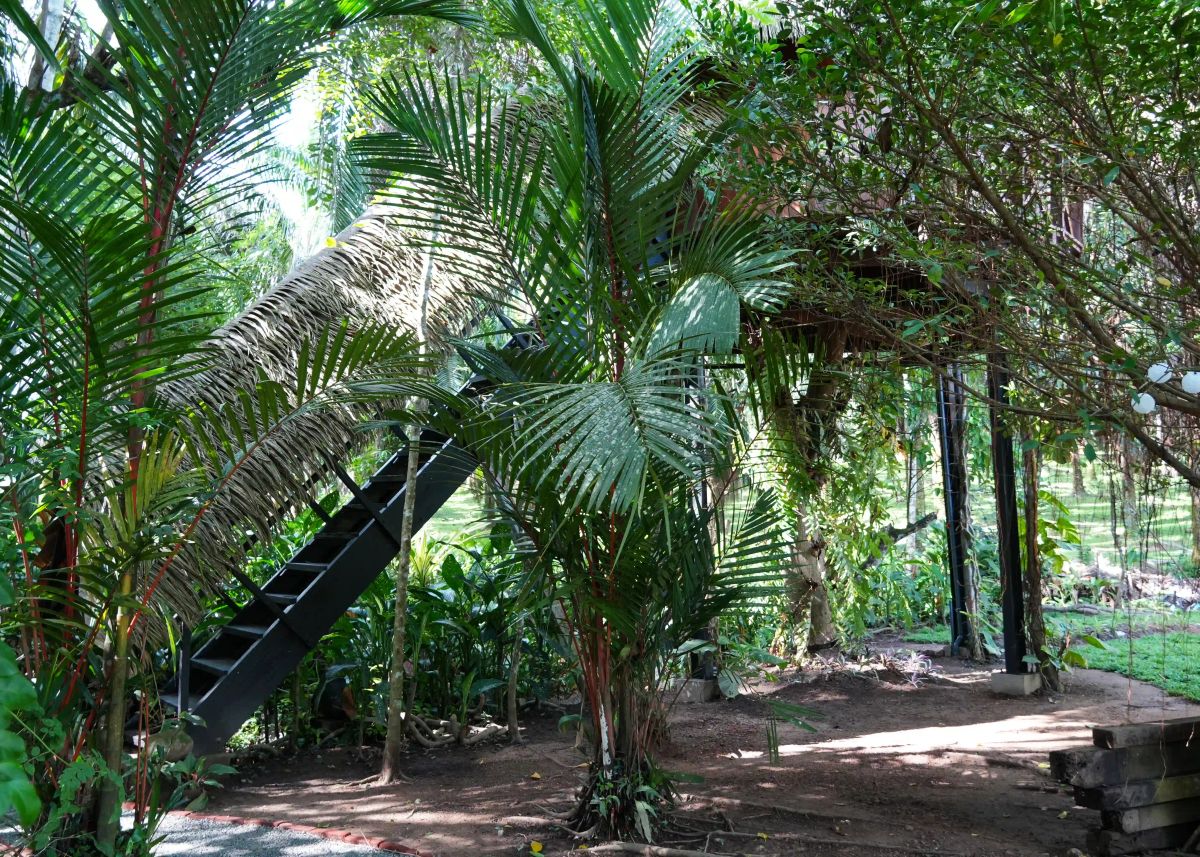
x,y
261,446
609,442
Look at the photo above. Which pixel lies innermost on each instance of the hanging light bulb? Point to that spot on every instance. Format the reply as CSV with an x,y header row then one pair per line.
x,y
1144,403
1191,382
1158,373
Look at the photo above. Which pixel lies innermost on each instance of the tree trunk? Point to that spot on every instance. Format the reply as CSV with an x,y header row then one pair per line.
x,y
514,673
1130,513
50,22
1078,488
806,590
1195,492
971,596
1034,620
108,807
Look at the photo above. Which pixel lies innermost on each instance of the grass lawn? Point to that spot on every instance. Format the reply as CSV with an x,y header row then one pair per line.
x,y
1104,625
1170,661
1165,509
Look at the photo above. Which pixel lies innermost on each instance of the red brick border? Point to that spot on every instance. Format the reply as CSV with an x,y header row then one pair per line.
x,y
378,843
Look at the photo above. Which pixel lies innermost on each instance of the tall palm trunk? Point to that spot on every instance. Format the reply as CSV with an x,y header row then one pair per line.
x,y
396,740
108,819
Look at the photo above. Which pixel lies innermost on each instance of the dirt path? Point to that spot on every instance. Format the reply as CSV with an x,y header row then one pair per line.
x,y
945,767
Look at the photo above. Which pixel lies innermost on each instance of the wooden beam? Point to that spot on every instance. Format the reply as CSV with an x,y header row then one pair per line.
x,y
1140,792
1158,815
1095,767
1111,843
1182,729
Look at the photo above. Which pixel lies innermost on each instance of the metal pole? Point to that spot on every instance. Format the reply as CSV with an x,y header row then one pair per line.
x,y
1004,470
951,417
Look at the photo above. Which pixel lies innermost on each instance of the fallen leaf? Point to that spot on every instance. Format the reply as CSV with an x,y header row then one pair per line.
x,y
535,776
1064,814
761,835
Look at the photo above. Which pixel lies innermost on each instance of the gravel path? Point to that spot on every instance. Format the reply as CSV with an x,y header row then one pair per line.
x,y
193,836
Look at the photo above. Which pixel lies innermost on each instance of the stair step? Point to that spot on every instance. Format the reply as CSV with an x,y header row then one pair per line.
x,y
283,599
333,537
391,478
307,567
220,666
253,632
356,506
171,701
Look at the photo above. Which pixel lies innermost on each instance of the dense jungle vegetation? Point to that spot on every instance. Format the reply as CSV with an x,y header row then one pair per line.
x,y
708,263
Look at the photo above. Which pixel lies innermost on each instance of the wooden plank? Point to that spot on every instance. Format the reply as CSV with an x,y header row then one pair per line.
x,y
1150,817
1094,767
1110,843
1181,729
1064,764
1139,793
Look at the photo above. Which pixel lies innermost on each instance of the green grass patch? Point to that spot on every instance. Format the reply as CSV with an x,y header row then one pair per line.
x,y
1170,661
461,515
935,634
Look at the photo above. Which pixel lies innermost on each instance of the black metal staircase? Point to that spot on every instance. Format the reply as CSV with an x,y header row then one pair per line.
x,y
236,671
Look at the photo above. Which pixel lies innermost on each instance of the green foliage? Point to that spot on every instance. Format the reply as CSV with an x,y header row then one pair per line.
x,y
632,801
17,699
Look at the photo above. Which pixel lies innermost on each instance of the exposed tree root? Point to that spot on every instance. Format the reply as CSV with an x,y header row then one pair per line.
x,y
821,840
649,850
433,734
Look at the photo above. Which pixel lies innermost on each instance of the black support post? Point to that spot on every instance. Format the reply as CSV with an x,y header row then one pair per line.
x,y
185,670
952,416
1004,470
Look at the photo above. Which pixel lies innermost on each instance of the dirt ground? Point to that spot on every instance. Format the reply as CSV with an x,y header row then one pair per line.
x,y
939,767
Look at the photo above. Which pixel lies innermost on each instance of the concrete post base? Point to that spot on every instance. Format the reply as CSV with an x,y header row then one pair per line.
x,y
1016,684
693,690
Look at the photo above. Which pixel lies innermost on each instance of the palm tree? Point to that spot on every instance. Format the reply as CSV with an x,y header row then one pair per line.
x,y
131,444
581,210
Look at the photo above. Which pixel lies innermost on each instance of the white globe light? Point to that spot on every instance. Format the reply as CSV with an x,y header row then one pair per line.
x,y
1159,373
1191,383
1144,403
